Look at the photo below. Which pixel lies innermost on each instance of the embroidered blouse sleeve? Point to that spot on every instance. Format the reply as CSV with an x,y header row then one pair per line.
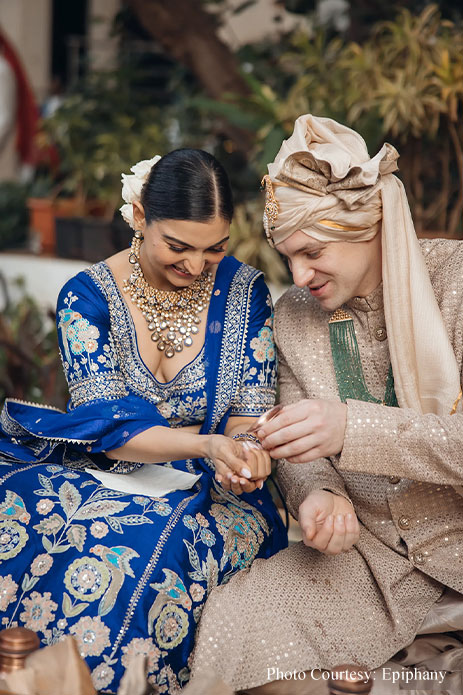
x,y
102,409
257,390
90,361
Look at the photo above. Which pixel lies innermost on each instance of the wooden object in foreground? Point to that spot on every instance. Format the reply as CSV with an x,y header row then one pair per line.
x,y
16,643
349,679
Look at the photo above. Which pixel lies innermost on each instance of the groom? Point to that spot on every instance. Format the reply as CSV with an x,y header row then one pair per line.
x,y
371,436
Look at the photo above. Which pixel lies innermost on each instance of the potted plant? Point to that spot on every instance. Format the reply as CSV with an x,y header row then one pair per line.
x,y
45,205
99,131
13,215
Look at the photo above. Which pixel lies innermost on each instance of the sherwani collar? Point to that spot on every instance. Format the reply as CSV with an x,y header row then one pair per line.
x,y
372,302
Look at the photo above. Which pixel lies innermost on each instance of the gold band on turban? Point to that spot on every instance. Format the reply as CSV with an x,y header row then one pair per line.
x,y
324,183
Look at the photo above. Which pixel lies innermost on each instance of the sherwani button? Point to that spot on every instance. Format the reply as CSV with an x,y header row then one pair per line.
x,y
381,333
404,523
419,558
393,479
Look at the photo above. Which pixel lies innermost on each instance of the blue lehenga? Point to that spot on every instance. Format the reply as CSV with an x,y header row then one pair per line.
x,y
129,574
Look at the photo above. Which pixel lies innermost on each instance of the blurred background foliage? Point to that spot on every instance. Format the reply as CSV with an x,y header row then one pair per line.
x,y
403,84
30,365
393,73
14,220
101,130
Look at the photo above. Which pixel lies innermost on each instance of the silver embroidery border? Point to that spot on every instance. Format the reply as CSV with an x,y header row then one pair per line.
x,y
172,522
235,330
7,419
137,376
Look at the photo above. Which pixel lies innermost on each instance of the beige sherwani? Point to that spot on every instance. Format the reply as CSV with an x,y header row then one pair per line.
x,y
302,609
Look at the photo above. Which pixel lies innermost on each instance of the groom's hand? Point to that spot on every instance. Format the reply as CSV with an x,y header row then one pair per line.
x,y
328,522
305,431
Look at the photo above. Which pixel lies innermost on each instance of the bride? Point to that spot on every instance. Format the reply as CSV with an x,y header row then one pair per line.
x,y
118,517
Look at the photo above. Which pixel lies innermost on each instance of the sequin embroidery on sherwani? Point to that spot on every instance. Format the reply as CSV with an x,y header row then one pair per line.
x,y
403,472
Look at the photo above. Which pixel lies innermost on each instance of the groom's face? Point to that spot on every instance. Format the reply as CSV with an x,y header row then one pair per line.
x,y
334,271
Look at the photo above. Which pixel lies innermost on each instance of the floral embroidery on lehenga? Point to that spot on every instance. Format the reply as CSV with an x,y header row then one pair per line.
x,y
13,538
92,635
130,574
38,611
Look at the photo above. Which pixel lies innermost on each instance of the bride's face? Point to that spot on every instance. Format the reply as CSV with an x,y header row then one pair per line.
x,y
175,252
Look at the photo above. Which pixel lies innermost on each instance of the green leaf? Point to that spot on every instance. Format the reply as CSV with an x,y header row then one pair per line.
x,y
105,493
45,493
193,555
61,548
66,605
69,610
47,544
107,659
76,535
29,582
134,520
78,608
46,483
113,522
52,524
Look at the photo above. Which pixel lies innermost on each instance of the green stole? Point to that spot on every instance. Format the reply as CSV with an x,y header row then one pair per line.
x,y
348,366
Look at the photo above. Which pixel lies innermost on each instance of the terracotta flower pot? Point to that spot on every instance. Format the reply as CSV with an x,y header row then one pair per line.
x,y
42,214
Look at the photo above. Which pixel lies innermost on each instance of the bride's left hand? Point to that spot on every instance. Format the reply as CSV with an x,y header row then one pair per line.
x,y
259,462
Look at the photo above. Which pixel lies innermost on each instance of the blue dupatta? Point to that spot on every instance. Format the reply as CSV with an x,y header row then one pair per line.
x,y
107,420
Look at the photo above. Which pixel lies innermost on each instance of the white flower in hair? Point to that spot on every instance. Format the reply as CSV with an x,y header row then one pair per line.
x,y
132,185
131,188
143,168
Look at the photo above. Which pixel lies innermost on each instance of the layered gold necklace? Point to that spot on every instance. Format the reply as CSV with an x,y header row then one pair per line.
x,y
173,317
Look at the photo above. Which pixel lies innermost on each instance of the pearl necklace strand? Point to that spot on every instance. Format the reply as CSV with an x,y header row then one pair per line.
x,y
172,316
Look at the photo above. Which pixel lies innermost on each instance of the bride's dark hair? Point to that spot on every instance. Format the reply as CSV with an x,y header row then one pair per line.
x,y
187,184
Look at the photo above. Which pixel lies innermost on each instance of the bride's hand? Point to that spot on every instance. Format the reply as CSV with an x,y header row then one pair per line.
x,y
259,462
227,455
235,465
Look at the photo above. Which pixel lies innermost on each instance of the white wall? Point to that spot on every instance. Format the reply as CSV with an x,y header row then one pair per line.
x,y
257,22
43,277
27,24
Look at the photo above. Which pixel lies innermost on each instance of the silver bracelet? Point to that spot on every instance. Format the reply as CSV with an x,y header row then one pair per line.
x,y
249,440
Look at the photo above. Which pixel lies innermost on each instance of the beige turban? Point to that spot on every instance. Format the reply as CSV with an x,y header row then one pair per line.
x,y
324,183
